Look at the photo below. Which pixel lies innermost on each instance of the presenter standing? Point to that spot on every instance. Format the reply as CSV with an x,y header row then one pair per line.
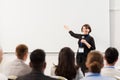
x,y
85,45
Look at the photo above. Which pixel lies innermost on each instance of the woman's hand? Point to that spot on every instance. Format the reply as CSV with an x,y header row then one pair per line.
x,y
66,27
83,41
86,43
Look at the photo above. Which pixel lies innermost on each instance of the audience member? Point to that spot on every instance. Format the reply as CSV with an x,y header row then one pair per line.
x,y
2,76
1,60
94,64
66,65
18,67
111,57
38,65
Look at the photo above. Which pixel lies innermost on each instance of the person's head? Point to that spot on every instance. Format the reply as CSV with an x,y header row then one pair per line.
x,y
94,61
1,55
111,55
37,60
22,51
66,57
86,29
66,63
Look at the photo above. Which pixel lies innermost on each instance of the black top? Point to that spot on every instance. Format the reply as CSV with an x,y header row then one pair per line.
x,y
35,75
88,38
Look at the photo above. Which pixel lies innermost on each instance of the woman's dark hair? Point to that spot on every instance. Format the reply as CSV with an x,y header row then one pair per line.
x,y
94,61
87,26
111,55
66,64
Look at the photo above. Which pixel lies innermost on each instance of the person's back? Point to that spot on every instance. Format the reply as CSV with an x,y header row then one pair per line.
x,y
35,75
38,65
66,65
96,76
111,57
79,74
18,67
2,76
111,72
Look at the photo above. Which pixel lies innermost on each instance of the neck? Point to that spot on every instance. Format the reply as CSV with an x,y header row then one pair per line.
x,y
38,70
85,33
110,64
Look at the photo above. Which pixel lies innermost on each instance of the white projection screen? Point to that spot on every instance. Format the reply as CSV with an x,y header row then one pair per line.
x,y
40,23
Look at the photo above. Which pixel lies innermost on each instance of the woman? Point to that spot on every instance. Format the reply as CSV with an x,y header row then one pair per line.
x,y
85,44
94,64
66,65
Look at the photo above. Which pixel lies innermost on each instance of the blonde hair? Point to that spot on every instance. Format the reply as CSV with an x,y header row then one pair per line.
x,y
94,61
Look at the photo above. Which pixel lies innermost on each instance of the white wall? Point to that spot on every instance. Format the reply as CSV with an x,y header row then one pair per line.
x,y
115,23
39,23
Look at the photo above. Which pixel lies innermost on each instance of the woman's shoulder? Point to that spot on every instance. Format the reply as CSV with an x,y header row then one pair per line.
x,y
53,68
91,37
79,71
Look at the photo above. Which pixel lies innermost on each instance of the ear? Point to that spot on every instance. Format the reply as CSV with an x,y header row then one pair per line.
x,y
44,65
115,61
25,56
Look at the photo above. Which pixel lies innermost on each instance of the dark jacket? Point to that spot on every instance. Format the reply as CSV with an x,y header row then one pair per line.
x,y
35,75
88,38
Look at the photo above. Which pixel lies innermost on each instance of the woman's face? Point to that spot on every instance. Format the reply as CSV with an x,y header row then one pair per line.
x,y
85,30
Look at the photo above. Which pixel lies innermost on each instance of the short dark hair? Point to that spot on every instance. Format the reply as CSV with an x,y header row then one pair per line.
x,y
111,55
21,50
87,26
37,58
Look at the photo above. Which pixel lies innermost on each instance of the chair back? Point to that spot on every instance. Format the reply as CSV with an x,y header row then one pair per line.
x,y
12,77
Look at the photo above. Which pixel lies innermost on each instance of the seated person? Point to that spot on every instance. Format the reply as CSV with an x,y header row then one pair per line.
x,y
18,67
38,65
94,64
66,65
2,76
111,57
